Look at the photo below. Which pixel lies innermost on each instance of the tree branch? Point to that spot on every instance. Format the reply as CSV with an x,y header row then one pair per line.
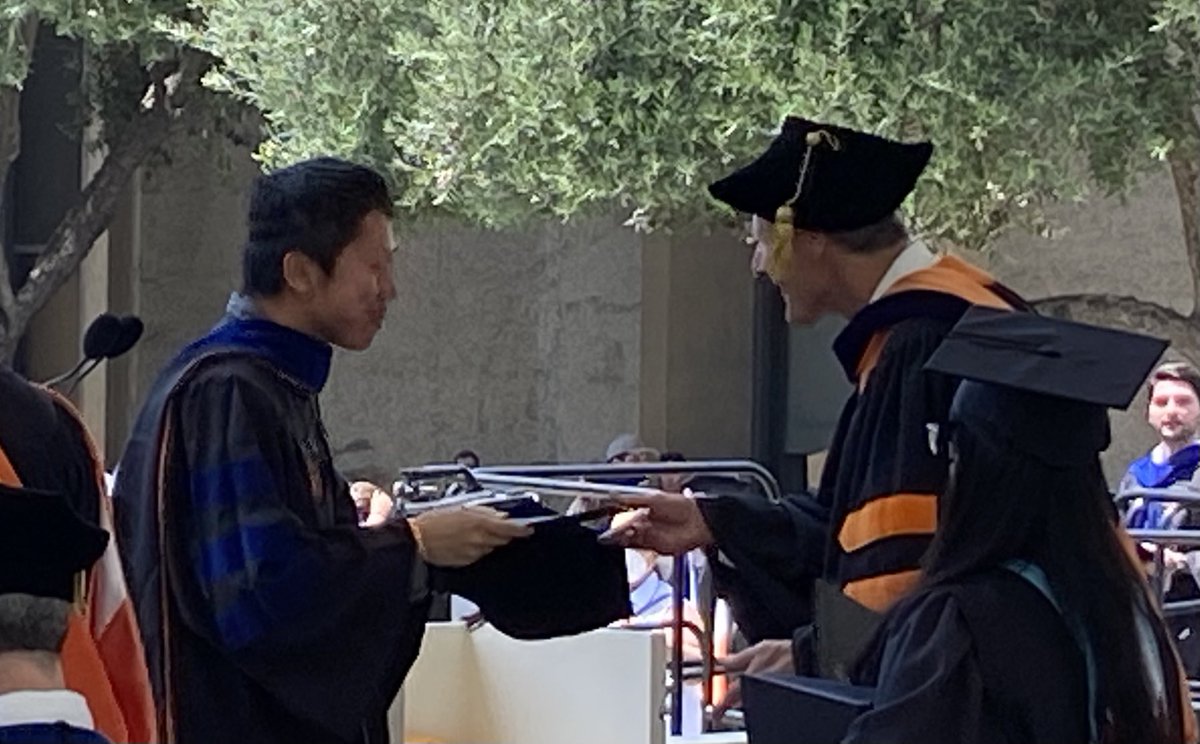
x,y
1183,331
79,228
10,148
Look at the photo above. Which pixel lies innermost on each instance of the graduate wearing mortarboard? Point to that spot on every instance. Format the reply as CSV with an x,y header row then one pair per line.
x,y
46,549
1033,623
824,202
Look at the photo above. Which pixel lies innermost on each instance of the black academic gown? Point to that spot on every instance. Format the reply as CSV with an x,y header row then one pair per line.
x,y
767,557
268,614
874,513
987,660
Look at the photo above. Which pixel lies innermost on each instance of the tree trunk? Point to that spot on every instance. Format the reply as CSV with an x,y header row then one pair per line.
x,y
1183,331
84,222
1185,172
10,148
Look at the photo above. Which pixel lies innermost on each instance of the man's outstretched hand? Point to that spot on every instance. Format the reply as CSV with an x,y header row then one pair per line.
x,y
453,538
667,523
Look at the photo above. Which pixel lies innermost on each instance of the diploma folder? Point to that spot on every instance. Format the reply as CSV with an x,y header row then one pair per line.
x,y
784,709
560,581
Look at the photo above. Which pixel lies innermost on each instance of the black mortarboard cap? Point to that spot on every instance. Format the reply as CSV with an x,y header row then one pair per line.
x,y
560,581
44,544
853,179
1040,385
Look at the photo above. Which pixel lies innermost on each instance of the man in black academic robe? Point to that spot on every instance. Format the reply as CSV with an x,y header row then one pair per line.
x,y
824,201
268,614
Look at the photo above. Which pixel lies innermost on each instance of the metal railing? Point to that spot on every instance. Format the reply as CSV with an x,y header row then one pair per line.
x,y
1163,538
572,480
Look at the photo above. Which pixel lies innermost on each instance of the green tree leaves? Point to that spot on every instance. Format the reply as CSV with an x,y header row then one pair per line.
x,y
500,110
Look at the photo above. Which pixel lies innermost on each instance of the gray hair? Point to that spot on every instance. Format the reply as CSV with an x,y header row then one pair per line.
x,y
883,234
29,623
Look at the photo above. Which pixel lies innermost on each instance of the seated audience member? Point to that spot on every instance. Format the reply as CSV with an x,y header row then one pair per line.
x,y
629,448
467,458
651,596
1173,411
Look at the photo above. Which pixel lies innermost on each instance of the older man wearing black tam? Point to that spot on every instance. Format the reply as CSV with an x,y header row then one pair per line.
x,y
824,201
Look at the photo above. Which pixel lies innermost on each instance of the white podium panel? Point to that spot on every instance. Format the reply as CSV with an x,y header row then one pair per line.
x,y
481,687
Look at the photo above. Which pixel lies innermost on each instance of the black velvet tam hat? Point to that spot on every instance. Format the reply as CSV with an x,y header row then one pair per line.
x,y
44,544
851,180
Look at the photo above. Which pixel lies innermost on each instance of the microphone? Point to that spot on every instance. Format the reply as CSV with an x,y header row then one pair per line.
x,y
106,337
131,331
109,343
100,333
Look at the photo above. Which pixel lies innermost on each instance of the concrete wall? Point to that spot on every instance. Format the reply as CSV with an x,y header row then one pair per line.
x,y
522,345
1132,246
543,344
697,329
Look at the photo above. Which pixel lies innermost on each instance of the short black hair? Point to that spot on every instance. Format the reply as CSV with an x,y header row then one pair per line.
x,y
315,207
467,455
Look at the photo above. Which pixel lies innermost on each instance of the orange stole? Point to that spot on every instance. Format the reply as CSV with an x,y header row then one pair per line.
x,y
948,274
906,513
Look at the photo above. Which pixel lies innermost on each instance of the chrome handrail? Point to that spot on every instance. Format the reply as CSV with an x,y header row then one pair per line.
x,y
570,479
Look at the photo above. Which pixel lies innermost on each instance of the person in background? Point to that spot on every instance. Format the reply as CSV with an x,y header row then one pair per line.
x,y
651,596
629,448
44,548
1173,411
624,449
672,482
467,458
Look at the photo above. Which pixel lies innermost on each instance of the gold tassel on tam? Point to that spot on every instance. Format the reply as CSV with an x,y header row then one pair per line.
x,y
781,246
785,216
